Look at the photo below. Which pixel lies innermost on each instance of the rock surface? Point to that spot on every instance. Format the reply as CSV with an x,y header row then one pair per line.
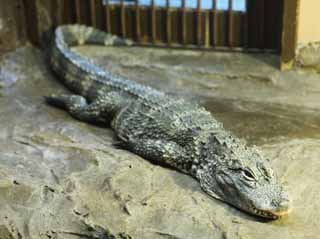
x,y
61,178
308,56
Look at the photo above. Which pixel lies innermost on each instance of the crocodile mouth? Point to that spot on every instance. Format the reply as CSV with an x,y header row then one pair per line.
x,y
269,213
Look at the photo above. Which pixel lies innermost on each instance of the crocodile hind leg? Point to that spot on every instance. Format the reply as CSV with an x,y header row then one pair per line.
x,y
101,110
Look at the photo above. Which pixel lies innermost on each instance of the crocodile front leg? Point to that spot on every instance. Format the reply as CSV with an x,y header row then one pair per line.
x,y
160,152
101,110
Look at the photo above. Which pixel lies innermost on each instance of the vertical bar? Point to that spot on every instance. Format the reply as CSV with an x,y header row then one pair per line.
x,y
32,26
168,22
93,13
230,24
78,11
138,27
207,29
246,26
261,33
108,16
21,21
68,15
184,25
59,13
214,23
123,18
53,12
153,22
289,34
100,18
199,22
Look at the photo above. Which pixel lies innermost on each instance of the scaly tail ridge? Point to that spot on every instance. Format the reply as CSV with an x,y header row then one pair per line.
x,y
73,35
77,72
84,77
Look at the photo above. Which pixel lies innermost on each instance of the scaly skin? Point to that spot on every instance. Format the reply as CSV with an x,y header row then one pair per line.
x,y
164,130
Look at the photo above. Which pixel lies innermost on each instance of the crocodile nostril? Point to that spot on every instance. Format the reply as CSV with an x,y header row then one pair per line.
x,y
284,204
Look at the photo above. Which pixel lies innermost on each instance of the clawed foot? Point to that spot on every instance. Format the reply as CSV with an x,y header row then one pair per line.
x,y
66,101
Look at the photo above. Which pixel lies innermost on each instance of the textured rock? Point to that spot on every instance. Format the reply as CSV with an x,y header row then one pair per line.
x,y
61,178
308,56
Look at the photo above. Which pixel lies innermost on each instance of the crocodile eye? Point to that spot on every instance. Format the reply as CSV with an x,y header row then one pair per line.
x,y
247,175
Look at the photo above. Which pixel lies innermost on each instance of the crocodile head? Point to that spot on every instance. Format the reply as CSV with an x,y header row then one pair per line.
x,y
244,178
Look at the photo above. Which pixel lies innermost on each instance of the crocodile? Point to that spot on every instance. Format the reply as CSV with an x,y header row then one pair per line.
x,y
163,129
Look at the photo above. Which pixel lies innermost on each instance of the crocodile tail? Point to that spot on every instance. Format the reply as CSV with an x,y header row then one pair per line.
x,y
77,72
73,35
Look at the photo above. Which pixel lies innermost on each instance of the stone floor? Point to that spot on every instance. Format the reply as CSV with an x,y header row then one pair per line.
x,y
61,178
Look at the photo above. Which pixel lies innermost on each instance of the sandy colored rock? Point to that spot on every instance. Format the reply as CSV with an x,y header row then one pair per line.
x,y
61,178
308,56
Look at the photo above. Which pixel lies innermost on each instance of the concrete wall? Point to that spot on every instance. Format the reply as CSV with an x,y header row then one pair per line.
x,y
309,21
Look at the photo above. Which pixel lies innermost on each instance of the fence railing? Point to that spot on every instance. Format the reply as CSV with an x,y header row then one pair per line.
x,y
213,24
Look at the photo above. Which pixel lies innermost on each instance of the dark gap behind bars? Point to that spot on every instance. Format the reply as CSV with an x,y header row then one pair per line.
x,y
250,25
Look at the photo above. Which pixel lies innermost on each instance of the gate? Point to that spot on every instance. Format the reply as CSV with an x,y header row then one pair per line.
x,y
250,25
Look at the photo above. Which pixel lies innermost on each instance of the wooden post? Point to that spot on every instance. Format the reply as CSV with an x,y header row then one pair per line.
x,y
78,11
207,29
57,12
108,17
214,23
123,19
289,33
153,22
93,13
168,22
230,24
184,24
32,24
262,25
138,29
245,26
199,22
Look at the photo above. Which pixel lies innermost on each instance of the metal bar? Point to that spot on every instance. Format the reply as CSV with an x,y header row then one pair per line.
x,y
245,26
138,25
214,23
168,22
184,24
153,22
123,18
230,24
108,17
93,13
198,22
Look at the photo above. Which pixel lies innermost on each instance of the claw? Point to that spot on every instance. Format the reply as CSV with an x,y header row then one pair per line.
x,y
55,100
